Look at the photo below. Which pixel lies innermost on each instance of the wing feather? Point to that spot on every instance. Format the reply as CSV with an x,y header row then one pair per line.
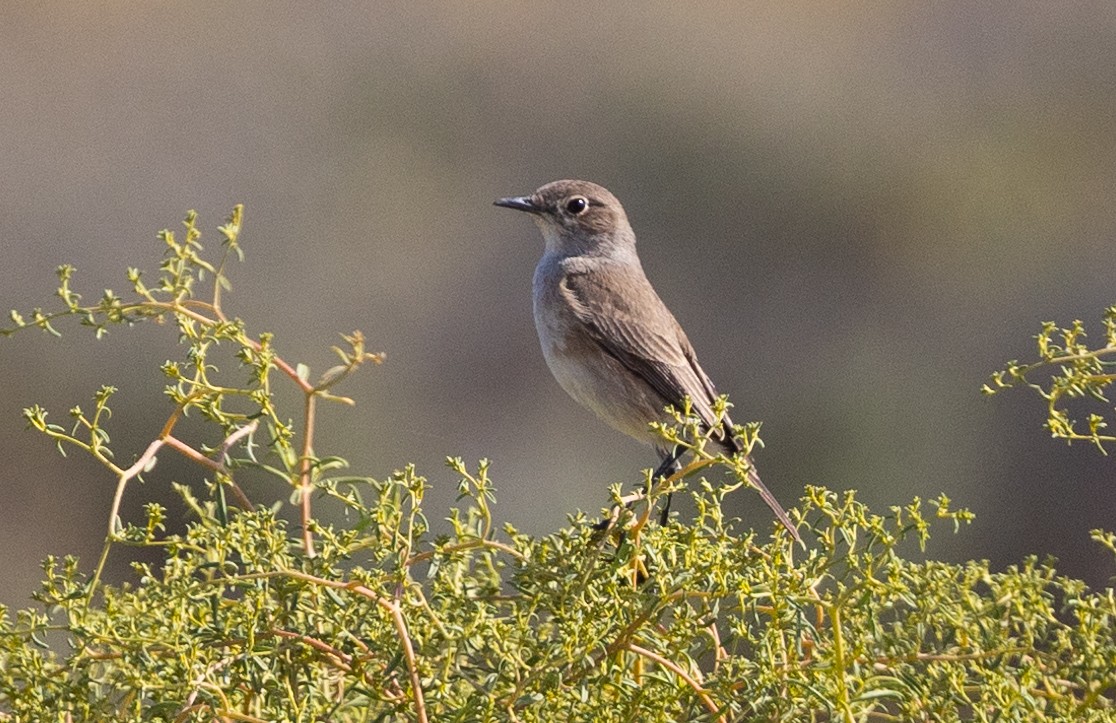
x,y
637,329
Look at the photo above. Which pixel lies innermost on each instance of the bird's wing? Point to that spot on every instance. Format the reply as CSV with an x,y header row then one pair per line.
x,y
637,329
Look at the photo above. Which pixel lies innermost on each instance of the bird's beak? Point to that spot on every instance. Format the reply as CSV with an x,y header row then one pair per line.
x,y
519,203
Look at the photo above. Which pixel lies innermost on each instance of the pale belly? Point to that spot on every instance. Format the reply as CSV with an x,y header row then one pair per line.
x,y
603,385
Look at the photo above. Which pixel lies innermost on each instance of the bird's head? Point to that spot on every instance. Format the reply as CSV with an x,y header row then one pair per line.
x,y
576,218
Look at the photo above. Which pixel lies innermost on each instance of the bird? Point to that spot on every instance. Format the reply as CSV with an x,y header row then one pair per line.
x,y
607,337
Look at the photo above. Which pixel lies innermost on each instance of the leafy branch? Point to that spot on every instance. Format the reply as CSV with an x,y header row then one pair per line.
x,y
185,278
1077,372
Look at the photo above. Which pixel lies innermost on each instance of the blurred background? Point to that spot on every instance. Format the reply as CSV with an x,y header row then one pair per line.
x,y
857,210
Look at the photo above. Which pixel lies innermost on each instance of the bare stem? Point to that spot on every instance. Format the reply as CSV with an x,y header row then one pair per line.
x,y
114,514
670,665
392,608
839,662
196,456
304,478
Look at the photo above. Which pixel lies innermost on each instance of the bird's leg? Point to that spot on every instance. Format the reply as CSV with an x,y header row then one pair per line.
x,y
667,467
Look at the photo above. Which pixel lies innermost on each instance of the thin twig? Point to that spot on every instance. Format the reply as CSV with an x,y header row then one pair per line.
x,y
466,545
670,665
342,660
144,461
304,478
393,609
839,663
196,456
122,482
188,705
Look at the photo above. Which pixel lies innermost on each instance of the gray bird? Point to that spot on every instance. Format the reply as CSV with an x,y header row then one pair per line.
x,y
607,336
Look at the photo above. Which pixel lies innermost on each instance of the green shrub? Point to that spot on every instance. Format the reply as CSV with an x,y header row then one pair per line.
x,y
250,618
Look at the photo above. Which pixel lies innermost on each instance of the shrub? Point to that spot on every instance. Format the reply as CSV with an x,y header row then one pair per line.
x,y
248,617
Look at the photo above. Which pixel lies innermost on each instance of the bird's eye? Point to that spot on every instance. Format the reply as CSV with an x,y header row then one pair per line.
x,y
577,205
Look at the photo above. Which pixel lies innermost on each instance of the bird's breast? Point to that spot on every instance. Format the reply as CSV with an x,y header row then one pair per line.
x,y
581,366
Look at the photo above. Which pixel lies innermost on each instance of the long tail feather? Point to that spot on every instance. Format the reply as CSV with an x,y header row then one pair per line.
x,y
765,494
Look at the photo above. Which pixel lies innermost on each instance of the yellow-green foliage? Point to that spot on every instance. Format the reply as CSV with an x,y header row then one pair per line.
x,y
250,618
1078,373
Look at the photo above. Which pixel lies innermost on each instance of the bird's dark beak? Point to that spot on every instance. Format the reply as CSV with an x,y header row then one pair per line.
x,y
519,203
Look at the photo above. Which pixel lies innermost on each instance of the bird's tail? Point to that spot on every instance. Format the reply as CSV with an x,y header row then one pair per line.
x,y
765,494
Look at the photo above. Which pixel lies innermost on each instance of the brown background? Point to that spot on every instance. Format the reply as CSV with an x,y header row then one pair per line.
x,y
857,210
